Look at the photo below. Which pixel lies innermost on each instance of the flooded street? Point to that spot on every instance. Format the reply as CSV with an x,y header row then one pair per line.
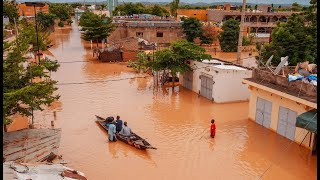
x,y
176,123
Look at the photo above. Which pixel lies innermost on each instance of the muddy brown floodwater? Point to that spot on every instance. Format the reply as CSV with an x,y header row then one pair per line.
x,y
176,123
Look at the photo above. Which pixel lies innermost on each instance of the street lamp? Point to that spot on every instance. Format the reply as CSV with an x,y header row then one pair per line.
x,y
36,4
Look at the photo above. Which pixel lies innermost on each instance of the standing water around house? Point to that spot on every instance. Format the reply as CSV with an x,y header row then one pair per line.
x,y
176,123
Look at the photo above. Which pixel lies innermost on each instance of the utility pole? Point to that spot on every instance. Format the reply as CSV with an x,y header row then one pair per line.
x,y
241,31
35,19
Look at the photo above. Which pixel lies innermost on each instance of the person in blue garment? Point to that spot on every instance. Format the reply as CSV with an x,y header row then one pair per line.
x,y
112,131
118,124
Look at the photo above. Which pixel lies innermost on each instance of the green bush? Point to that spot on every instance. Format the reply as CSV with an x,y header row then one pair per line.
x,y
61,24
69,21
245,41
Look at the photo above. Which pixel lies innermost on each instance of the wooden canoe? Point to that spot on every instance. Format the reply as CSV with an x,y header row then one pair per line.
x,y
133,139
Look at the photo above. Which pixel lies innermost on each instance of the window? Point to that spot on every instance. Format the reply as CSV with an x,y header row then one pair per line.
x,y
139,34
159,34
195,14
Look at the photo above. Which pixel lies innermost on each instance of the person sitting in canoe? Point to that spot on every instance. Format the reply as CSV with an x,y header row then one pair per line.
x,y
118,124
125,131
112,131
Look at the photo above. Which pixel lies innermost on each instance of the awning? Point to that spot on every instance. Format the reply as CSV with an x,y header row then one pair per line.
x,y
308,121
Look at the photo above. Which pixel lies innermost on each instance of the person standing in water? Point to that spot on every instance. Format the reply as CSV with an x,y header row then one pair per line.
x,y
112,131
213,129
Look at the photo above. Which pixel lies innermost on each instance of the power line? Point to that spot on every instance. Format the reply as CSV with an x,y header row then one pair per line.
x,y
102,81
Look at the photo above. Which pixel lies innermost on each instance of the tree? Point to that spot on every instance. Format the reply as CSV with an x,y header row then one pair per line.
x,y
256,7
192,27
46,20
139,8
296,38
95,27
174,59
209,35
142,63
61,11
229,36
130,9
60,24
10,10
296,7
20,93
159,11
28,33
174,5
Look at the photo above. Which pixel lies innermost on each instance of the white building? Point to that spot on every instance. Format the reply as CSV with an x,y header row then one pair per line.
x,y
217,80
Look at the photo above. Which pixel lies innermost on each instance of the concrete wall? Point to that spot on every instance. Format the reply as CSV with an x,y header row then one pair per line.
x,y
200,14
149,33
29,10
228,86
278,101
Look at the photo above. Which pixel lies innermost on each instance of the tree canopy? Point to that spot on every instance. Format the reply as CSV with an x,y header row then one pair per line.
x,y
174,58
193,29
296,38
10,10
20,93
174,5
28,34
139,8
228,38
46,20
61,11
95,27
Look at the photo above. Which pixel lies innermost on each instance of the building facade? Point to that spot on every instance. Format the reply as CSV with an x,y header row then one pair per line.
x,y
217,80
259,22
276,104
200,14
28,11
160,32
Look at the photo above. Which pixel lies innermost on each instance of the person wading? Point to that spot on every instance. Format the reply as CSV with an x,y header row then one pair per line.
x,y
118,124
213,129
112,131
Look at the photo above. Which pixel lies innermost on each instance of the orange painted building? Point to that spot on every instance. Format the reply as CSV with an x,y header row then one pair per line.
x,y
29,10
200,14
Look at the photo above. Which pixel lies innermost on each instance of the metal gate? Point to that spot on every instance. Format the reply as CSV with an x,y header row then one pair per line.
x,y
188,80
286,122
263,112
206,87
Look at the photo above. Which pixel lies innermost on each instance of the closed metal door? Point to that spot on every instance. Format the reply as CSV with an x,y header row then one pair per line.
x,y
188,80
286,123
206,87
263,112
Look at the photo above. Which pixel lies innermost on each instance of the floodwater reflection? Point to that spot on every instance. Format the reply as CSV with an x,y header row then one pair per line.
x,y
176,123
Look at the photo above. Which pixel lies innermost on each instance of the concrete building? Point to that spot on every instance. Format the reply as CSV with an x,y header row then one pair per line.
x,y
28,11
259,22
200,14
161,32
217,80
278,104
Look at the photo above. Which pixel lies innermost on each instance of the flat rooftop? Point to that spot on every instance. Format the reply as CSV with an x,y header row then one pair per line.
x,y
223,64
298,88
